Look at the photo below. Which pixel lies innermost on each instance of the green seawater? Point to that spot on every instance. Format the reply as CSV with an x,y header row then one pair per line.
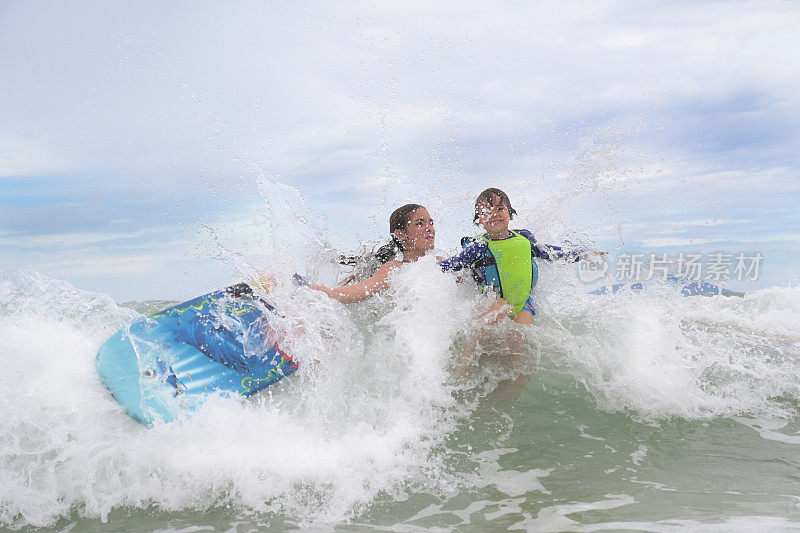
x,y
543,457
632,412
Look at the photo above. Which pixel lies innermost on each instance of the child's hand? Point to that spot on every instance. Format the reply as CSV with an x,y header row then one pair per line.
x,y
266,281
321,288
499,309
594,257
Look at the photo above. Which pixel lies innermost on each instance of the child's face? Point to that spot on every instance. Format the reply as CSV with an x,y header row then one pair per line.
x,y
494,217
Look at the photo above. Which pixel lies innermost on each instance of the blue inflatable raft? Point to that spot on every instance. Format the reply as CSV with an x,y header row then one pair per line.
x,y
162,367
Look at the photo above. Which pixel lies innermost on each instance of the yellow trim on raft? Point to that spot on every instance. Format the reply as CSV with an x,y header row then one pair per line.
x,y
247,388
176,311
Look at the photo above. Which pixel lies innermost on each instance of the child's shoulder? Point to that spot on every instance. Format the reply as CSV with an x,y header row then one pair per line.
x,y
525,233
473,241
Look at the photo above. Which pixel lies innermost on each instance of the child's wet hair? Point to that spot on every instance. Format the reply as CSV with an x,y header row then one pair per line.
x,y
401,216
398,220
489,196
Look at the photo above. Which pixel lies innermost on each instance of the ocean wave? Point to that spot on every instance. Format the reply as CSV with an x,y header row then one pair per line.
x,y
384,388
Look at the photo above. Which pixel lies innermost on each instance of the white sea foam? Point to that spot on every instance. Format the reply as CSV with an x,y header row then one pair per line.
x,y
371,408
771,428
659,354
363,415
380,390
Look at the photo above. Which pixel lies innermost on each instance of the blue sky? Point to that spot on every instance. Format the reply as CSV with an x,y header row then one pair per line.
x,y
134,137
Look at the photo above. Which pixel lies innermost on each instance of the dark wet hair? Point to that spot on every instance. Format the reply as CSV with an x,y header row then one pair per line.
x,y
488,196
398,220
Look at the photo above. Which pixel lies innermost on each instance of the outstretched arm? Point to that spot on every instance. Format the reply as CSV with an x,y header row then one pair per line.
x,y
361,291
551,253
466,257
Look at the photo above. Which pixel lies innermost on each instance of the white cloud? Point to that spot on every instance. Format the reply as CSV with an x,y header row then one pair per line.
x,y
708,222
563,104
671,242
770,238
30,157
64,239
792,237
102,266
626,39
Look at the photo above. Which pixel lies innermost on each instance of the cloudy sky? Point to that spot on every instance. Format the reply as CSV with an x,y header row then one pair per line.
x,y
148,148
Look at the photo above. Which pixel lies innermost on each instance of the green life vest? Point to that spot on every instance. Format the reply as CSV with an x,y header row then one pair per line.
x,y
515,268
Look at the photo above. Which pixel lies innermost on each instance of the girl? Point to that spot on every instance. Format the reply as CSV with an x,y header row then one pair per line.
x,y
411,227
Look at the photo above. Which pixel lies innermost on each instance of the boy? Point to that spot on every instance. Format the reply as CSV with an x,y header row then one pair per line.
x,y
504,259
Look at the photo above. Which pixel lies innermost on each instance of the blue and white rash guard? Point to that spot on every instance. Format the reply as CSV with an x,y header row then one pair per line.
x,y
478,248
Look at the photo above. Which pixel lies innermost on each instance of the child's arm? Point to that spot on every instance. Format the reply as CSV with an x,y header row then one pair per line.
x,y
464,259
551,252
361,291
